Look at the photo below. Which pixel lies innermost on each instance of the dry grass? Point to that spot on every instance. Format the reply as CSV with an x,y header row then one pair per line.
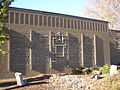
x,y
110,83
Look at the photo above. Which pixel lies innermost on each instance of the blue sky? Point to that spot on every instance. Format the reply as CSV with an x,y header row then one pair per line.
x,y
71,7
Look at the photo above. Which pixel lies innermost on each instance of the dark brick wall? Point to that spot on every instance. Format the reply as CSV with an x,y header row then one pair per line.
x,y
114,50
88,47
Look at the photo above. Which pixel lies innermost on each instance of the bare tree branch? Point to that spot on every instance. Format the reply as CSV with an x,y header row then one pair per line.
x,y
108,10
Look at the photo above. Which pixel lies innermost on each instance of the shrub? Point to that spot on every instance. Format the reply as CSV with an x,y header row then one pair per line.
x,y
94,69
77,71
87,70
105,69
110,83
81,71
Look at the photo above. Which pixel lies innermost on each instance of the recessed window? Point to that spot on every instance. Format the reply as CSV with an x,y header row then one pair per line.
x,y
45,20
31,19
68,22
61,22
40,20
98,27
11,17
87,25
91,26
105,28
22,18
82,25
57,22
75,24
36,19
53,21
71,23
65,24
49,21
16,18
26,18
101,27
78,24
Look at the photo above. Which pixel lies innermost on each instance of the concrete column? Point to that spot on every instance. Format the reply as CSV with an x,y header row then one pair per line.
x,y
95,52
82,50
50,48
50,44
30,50
67,34
8,46
33,19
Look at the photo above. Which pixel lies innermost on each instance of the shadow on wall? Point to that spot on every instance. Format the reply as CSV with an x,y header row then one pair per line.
x,y
99,52
19,52
115,54
40,52
59,64
74,52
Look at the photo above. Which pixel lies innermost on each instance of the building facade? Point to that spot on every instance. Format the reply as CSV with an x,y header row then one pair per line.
x,y
46,42
114,36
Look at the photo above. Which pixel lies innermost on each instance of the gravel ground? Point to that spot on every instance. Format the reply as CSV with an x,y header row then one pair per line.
x,y
53,82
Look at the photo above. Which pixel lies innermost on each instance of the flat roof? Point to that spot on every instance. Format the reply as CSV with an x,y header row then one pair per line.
x,y
46,12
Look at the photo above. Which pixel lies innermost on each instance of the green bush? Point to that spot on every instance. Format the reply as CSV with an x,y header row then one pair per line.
x,y
81,71
87,70
94,69
105,69
77,71
110,83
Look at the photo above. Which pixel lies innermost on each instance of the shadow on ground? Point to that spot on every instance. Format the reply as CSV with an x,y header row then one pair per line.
x,y
30,81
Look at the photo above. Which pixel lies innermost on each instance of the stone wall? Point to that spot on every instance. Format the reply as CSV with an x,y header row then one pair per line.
x,y
19,51
39,52
88,50
31,55
32,50
74,51
114,46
